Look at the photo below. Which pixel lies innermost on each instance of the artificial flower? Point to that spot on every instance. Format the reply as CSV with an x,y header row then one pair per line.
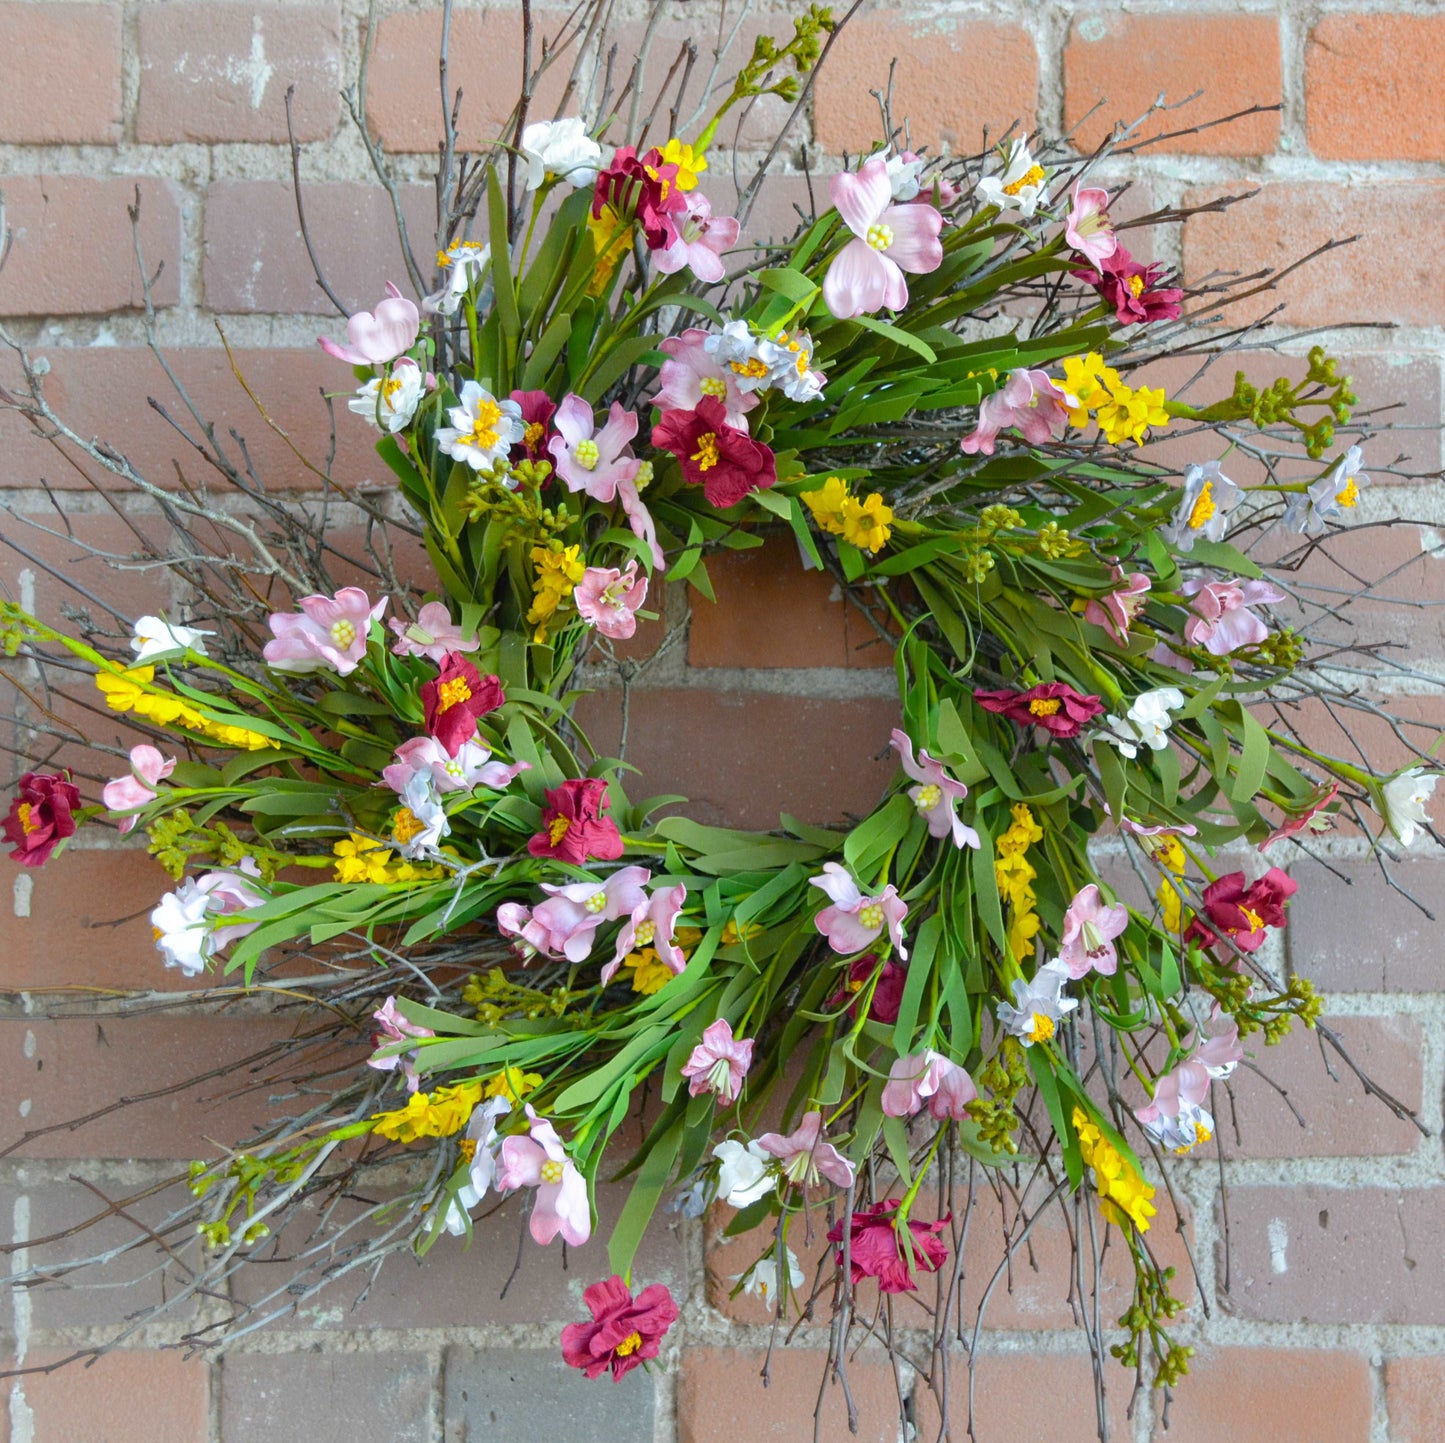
x,y
421,821
328,634
744,1174
874,1249
887,995
699,239
639,519
1030,403
725,462
439,1113
537,409
1328,498
380,336
866,523
1404,798
1090,382
904,169
432,634
483,429
182,928
736,347
937,794
147,769
1146,723
482,1142
1022,185
1124,1196
762,1278
390,402
853,921
153,638
639,187
392,1027
1088,228
1055,706
41,816
1242,912
1129,412
1133,289
1222,621
692,371
719,1063
1116,611
624,1331
1038,1006
609,599
464,261
1204,506
1313,818
789,359
564,925
651,924
1086,943
560,148
588,459
470,768
573,827
558,570
804,1157
455,697
540,1161
928,1079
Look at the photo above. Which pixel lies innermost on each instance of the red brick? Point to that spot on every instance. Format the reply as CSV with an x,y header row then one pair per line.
x,y
1264,1395
1415,1398
220,70
40,43
721,1397
123,1397
1386,276
404,104
1314,1254
74,252
1370,87
1126,61
936,95
255,258
742,757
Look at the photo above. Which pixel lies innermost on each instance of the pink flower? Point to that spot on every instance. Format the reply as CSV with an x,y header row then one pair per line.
x,y
1088,229
936,795
854,920
455,697
1029,402
725,462
651,925
379,338
1090,926
230,894
874,1251
470,768
642,187
1132,289
700,239
1053,705
888,240
573,827
928,1078
692,372
608,599
1175,1116
887,997
432,634
639,518
1138,829
147,768
564,925
805,1156
327,634
540,1161
719,1063
1116,611
393,1027
537,409
588,459
1308,820
1222,621
623,1332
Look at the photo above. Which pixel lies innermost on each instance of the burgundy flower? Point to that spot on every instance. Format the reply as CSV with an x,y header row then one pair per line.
x,y
537,411
1055,706
887,995
455,698
41,816
1132,291
624,1330
873,1250
725,462
1242,913
573,827
1309,820
641,186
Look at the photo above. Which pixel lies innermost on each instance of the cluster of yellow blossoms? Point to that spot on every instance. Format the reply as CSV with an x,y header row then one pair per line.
x,y
1122,412
1169,854
363,859
127,691
446,1110
559,569
866,524
1124,1196
1015,875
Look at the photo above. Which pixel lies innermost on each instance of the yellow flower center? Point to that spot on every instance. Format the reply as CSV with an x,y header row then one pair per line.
x,y
1042,1029
484,427
453,693
596,903
1032,176
706,454
929,796
1204,507
1044,706
343,633
468,1148
1349,495
646,931
879,236
586,454
389,388
1201,1135
871,914
1256,922
753,368
28,824
853,984
557,829
532,436
552,1170
1136,286
713,386
405,826
629,1345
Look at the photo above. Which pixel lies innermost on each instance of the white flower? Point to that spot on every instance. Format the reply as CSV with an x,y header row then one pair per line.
x,y
1404,798
1146,723
155,638
736,348
1328,498
1204,505
428,825
464,261
1023,185
789,360
483,429
482,1176
745,1174
560,147
391,403
1038,1006
903,172
762,1277
1191,1126
183,930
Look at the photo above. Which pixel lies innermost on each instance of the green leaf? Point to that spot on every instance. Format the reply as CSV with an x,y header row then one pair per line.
x,y
1253,760
898,336
637,1211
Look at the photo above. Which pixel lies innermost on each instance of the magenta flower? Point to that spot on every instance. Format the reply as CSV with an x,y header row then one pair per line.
x,y
641,187
1116,611
1240,912
1030,403
1309,820
393,1027
327,634
928,1079
380,337
692,372
573,827
725,462
887,998
937,794
470,768
608,599
1222,621
719,1063
651,925
1133,290
874,1250
540,1161
700,238
537,409
888,240
432,634
624,1332
805,1157
853,921
564,925
147,768
1054,705
455,697
1090,926
588,459
1088,229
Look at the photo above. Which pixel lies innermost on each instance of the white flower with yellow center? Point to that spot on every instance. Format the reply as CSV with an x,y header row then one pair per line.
x,y
463,261
1333,497
483,429
1038,1006
1023,184
561,148
1404,799
155,637
391,401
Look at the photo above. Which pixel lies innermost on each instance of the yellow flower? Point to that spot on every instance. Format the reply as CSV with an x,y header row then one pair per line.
x,y
1014,872
1021,933
1169,853
867,524
559,569
241,738
611,236
434,1114
124,690
1089,381
827,503
1024,821
359,859
512,1083
731,932
649,972
1124,1196
689,165
1170,906
1128,414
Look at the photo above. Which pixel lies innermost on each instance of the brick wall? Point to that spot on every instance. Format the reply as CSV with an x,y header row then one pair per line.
x,y
1326,1323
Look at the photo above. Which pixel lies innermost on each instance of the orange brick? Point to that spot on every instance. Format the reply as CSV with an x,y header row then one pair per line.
x,y
1372,87
1415,1398
1126,61
935,83
38,45
123,1397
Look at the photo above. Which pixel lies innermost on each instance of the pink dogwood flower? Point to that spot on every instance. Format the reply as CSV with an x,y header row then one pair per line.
x,y
1222,621
1030,403
937,794
327,634
1088,228
692,372
393,1027
651,925
928,1079
853,921
540,1161
147,769
588,459
888,240
700,238
609,599
470,768
1176,1117
1116,611
380,336
564,925
639,519
805,1157
719,1063
432,634
1086,943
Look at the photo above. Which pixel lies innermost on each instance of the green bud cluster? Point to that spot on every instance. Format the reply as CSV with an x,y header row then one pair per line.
x,y
175,840
495,996
1004,1075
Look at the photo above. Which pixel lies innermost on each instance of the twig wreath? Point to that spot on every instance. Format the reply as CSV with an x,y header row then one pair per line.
x,y
939,387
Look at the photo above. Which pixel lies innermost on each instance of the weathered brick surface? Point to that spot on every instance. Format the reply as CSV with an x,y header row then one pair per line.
x,y
123,1397
1415,1398
38,44
220,71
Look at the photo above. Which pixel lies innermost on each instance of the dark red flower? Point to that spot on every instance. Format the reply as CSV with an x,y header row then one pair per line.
x,y
725,462
1132,291
1055,706
887,995
455,698
641,187
874,1252
1243,914
538,409
624,1330
573,827
41,816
